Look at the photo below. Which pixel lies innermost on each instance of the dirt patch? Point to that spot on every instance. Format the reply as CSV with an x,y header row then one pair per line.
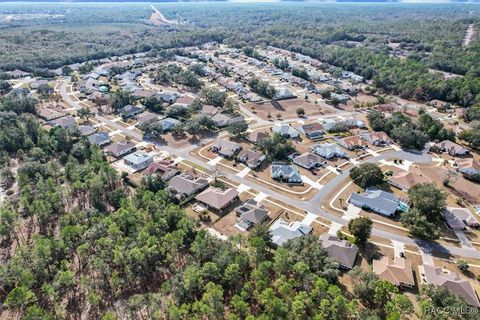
x,y
288,108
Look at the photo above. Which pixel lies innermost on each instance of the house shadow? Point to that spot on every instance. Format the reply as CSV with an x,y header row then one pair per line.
x,y
277,106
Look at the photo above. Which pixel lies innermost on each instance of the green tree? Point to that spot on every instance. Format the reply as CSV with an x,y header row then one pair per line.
x,y
367,175
360,228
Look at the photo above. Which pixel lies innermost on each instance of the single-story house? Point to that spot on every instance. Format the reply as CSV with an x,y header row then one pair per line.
x,y
307,160
99,138
225,148
118,149
451,281
257,136
250,213
63,122
468,166
129,110
406,179
217,199
86,130
138,160
251,158
283,231
452,148
163,169
398,272
168,124
340,250
169,97
379,138
329,151
285,130
48,114
313,131
223,120
285,173
146,117
209,110
379,201
460,218
186,184
352,143
18,73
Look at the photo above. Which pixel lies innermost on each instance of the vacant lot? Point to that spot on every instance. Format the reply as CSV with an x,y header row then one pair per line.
x,y
288,108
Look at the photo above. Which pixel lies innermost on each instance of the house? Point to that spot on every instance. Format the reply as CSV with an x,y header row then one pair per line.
x,y
34,85
209,110
86,130
283,231
468,166
63,122
452,148
257,136
18,73
250,213
186,99
143,94
329,151
460,218
450,281
379,201
129,110
313,131
398,271
307,160
48,114
169,97
186,184
217,199
284,93
251,158
99,138
225,148
376,138
223,120
146,118
342,98
285,173
406,179
118,149
138,160
352,143
285,130
163,169
340,250
168,124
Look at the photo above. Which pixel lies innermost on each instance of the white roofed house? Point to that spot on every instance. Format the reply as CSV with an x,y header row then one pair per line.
x,y
283,172
138,160
285,130
329,151
283,231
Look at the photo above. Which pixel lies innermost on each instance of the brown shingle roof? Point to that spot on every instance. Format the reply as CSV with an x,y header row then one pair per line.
x,y
217,198
452,282
398,272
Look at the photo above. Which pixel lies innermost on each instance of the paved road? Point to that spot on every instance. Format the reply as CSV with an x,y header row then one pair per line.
x,y
312,205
